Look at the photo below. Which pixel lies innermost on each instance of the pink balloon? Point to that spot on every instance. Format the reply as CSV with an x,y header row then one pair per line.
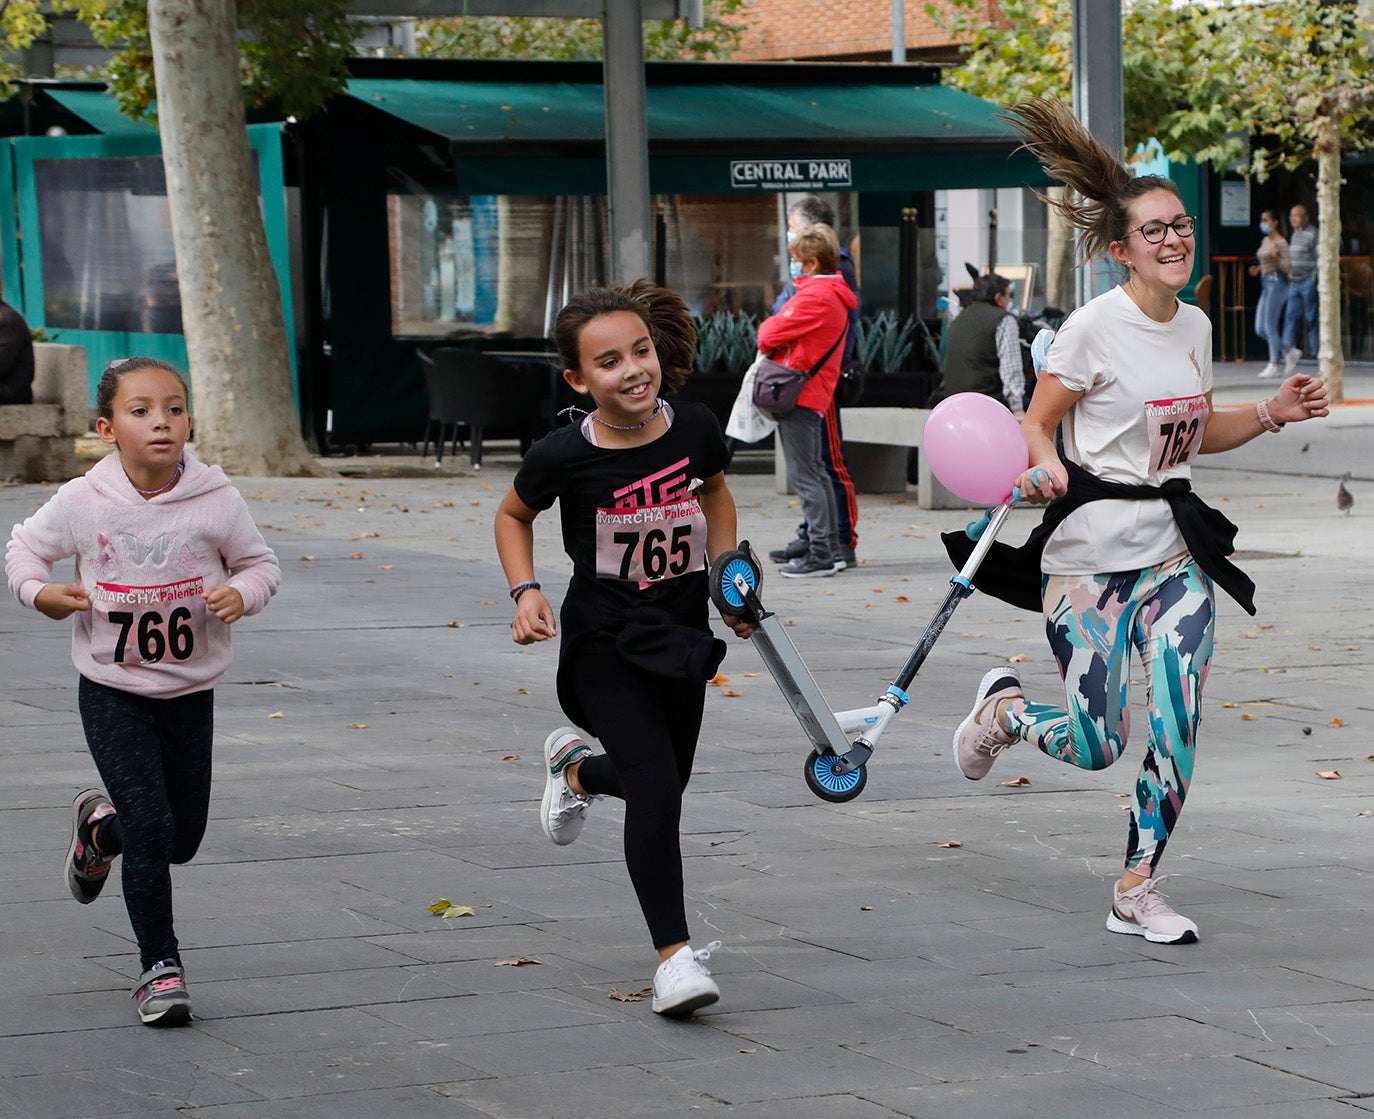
x,y
975,447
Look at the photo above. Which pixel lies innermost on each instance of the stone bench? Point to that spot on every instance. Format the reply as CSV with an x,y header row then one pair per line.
x,y
39,441
877,442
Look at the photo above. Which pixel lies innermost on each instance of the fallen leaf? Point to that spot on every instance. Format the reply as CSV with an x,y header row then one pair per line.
x,y
1124,807
459,911
357,726
1018,658
455,625
385,566
511,758
439,906
731,693
307,559
1336,723
1366,812
1315,648
901,598
1230,704
277,715
750,675
1329,774
636,996
355,555
1121,796
487,602
1017,781
524,691
718,679
952,843
517,961
1250,634
368,533
865,909
751,1049
1249,718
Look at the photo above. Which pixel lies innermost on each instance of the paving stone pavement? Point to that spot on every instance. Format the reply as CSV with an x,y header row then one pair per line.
x,y
378,749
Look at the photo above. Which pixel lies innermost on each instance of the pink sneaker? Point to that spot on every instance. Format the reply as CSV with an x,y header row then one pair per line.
x,y
980,737
1142,911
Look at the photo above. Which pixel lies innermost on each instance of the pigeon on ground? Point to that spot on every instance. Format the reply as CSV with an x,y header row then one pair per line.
x,y
1344,498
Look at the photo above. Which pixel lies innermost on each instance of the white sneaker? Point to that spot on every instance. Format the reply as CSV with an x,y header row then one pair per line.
x,y
1270,370
562,812
1142,911
682,984
1290,361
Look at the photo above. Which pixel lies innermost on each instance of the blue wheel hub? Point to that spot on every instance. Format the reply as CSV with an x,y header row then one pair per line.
x,y
823,769
728,590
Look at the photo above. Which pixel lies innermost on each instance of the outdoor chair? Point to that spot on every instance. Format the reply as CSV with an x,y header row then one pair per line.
x,y
471,389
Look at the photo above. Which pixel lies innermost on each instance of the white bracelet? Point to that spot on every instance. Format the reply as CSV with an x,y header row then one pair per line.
x,y
1266,421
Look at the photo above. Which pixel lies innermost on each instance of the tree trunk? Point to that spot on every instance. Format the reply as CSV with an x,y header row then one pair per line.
x,y
245,410
1330,357
1059,263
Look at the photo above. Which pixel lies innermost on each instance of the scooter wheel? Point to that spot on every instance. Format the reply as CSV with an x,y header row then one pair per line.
x,y
724,594
829,785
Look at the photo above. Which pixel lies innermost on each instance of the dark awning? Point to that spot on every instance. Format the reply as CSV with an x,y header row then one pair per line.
x,y
714,128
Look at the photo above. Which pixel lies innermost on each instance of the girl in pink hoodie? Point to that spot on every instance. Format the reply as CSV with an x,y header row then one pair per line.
x,y
167,558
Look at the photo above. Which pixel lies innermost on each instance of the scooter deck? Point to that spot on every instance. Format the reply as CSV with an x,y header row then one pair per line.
x,y
798,686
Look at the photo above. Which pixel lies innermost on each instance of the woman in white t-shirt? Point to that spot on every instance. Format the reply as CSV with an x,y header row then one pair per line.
x,y
1128,555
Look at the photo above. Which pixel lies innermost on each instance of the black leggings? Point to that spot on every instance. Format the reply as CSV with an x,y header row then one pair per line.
x,y
648,726
154,759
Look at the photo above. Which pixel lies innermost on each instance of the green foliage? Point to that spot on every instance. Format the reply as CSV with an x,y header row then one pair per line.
x,y
726,342
291,50
550,38
883,343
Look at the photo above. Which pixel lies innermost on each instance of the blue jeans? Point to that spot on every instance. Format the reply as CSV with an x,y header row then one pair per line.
x,y
1273,295
1302,304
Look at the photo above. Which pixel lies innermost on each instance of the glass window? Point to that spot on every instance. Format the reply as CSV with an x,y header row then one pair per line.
x,y
108,262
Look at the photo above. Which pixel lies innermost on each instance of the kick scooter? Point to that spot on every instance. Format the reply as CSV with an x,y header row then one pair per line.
x,y
842,741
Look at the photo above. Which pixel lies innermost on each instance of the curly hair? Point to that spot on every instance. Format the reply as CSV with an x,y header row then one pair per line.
x,y
1070,153
672,329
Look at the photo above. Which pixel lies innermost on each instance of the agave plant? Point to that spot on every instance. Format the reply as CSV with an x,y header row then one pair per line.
x,y
884,343
726,342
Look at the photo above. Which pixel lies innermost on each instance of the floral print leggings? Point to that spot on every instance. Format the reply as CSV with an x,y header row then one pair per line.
x,y
1168,613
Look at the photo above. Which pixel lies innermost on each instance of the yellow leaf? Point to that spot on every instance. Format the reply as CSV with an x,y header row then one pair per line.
x,y
357,726
1329,774
1336,723
750,675
524,691
439,906
517,961
511,758
1249,718
277,715
731,693
1230,704
1017,781
718,679
306,559
459,911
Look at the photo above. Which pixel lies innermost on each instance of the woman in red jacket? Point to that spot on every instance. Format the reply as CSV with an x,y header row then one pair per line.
x,y
811,324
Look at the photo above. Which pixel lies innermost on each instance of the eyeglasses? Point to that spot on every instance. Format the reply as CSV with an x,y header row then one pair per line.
x,y
1155,231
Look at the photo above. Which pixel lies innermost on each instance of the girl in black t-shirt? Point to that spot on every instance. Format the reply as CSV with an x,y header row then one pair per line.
x,y
644,508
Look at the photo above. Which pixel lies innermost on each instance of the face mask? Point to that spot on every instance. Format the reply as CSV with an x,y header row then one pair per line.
x,y
1266,228
792,236
794,269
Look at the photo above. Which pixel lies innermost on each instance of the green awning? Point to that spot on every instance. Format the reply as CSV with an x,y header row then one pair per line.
x,y
101,111
716,137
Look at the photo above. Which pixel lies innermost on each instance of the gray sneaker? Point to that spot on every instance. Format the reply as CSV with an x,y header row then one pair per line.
x,y
161,995
980,737
562,812
810,567
793,549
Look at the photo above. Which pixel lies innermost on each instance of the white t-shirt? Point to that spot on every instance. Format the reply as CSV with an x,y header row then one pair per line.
x,y
1140,420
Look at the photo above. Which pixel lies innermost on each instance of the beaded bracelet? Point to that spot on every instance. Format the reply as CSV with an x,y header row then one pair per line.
x,y
520,588
1266,421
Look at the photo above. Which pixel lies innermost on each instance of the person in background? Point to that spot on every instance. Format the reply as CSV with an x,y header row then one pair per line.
x,y
801,216
983,347
16,357
1272,269
808,331
1302,290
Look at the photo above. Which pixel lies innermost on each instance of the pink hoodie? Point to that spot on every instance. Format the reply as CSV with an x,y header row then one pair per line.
x,y
146,565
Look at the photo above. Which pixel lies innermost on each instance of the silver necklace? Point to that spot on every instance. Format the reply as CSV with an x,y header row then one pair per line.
x,y
162,488
658,407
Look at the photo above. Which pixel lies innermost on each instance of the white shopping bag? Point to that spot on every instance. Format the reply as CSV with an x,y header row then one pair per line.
x,y
748,422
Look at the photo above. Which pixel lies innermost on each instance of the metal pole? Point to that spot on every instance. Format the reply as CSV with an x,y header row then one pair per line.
x,y
627,138
1098,99
898,31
